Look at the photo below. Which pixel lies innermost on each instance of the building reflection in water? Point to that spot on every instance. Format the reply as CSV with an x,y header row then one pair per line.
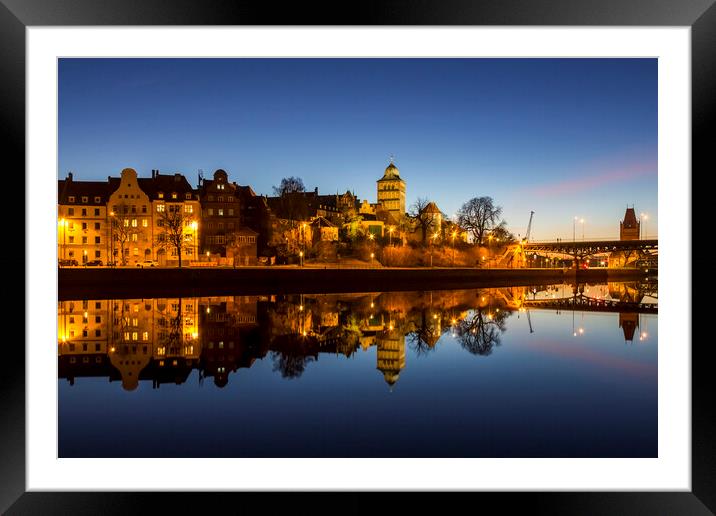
x,y
164,340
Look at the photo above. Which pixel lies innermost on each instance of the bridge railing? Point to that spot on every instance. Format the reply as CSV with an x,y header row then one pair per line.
x,y
585,239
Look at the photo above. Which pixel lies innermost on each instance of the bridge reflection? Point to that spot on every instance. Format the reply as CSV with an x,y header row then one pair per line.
x,y
163,340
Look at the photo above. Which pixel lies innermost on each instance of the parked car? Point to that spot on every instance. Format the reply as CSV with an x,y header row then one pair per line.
x,y
94,263
67,263
111,264
148,263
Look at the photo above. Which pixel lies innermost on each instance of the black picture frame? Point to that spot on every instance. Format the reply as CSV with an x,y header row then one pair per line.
x,y
16,15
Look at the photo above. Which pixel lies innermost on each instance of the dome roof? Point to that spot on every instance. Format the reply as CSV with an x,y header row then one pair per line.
x,y
391,172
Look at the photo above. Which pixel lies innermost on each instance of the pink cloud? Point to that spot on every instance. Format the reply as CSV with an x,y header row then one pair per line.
x,y
581,182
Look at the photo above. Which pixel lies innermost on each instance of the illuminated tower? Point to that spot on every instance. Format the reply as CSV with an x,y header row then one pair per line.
x,y
391,192
391,354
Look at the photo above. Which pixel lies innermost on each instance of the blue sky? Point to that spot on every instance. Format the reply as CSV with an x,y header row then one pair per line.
x,y
560,137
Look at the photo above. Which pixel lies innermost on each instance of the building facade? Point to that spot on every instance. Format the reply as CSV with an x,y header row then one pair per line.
x,y
391,193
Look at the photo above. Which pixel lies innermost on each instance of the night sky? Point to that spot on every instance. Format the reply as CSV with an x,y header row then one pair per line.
x,y
561,137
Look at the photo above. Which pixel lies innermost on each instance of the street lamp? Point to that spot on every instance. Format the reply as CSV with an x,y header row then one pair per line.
x,y
582,221
300,255
645,218
371,258
454,234
574,229
63,223
194,227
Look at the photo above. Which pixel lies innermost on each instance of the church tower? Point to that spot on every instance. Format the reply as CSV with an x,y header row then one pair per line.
x,y
391,192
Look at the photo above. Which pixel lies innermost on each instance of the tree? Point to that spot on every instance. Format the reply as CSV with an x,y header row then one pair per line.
x,y
502,235
292,201
289,185
172,224
478,216
480,332
424,218
122,229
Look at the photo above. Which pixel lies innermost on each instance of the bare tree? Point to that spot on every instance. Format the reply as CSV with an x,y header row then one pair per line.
x,y
292,201
422,216
173,223
122,228
502,235
480,332
478,216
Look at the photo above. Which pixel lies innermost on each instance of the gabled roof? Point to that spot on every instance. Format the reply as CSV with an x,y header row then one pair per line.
x,y
78,189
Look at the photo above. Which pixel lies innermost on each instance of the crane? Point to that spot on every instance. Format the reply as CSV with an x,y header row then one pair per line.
x,y
529,227
529,321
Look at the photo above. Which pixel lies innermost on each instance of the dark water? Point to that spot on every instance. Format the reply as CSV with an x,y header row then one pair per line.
x,y
538,371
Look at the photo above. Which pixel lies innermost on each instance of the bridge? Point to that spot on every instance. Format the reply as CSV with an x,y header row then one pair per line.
x,y
590,304
580,249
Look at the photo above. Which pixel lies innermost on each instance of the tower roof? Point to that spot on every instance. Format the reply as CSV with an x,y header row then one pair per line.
x,y
431,208
391,173
630,218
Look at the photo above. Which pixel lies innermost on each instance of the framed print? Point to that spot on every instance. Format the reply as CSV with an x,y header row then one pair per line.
x,y
416,249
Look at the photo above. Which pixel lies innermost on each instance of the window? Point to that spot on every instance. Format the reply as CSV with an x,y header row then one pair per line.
x,y
231,212
220,198
160,208
96,225
96,240
126,335
72,254
221,225
190,251
174,195
114,209
188,208
211,212
134,237
211,197
134,223
135,336
161,195
97,200
84,224
84,212
144,208
72,239
84,333
97,346
97,253
187,196
135,321
98,305
98,333
145,223
72,225
221,212
85,199
134,208
126,223
145,336
71,198
84,239
231,198
135,251
71,212
72,347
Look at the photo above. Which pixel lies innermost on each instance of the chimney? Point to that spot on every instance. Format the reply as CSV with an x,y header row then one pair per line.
x,y
69,176
316,190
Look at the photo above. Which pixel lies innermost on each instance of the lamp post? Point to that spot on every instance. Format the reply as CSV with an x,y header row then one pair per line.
x,y
63,224
194,227
390,233
574,230
645,218
300,255
582,222
371,237
454,234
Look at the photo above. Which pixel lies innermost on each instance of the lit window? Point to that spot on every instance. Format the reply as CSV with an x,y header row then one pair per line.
x,y
221,212
134,237
188,208
174,195
145,223
160,208
97,200
135,251
126,223
211,211
161,195
231,212
134,223
135,336
85,198
126,335
145,335
96,212
71,198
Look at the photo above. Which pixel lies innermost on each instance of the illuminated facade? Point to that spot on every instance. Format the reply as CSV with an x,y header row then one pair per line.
x,y
391,193
83,225
130,220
